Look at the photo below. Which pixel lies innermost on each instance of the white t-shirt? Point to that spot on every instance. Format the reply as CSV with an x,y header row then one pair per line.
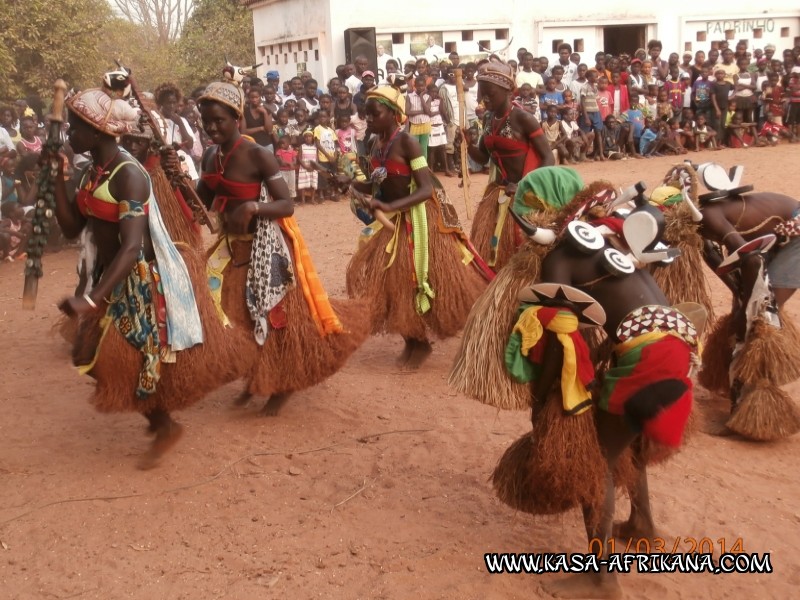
x,y
533,78
5,140
570,71
382,60
353,84
452,95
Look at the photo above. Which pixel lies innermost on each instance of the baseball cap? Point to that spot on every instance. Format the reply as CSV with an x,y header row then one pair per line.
x,y
368,74
273,75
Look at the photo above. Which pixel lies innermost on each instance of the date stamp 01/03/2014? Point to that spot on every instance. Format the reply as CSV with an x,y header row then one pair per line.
x,y
677,555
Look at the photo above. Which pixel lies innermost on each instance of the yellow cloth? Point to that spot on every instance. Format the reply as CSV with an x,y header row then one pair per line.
x,y
317,299
531,330
502,214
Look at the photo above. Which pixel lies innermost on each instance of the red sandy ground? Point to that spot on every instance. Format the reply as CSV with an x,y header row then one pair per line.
x,y
371,485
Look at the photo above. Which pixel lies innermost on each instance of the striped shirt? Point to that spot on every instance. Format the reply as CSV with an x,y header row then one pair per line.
x,y
415,103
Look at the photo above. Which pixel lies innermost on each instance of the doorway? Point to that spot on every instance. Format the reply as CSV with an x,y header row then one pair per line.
x,y
624,38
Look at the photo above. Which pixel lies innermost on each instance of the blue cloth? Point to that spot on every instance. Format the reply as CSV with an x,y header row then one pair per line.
x,y
184,328
648,135
635,117
548,99
596,122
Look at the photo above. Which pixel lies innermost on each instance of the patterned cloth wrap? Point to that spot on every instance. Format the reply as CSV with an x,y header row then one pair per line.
x,y
527,347
648,381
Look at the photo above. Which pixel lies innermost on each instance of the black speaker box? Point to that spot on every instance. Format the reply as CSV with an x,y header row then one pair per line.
x,y
360,41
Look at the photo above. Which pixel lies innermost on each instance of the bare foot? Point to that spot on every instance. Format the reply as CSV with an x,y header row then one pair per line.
x,y
585,585
274,404
167,435
419,354
242,400
635,528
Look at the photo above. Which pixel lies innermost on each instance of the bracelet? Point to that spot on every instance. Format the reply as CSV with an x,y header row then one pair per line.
x,y
89,301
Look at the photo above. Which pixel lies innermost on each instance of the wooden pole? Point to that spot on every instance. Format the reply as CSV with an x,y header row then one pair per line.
x,y
45,199
181,181
462,124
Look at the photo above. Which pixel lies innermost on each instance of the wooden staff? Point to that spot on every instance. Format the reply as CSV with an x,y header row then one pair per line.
x,y
462,118
45,199
179,180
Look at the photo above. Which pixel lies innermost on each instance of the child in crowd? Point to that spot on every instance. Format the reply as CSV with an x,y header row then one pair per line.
x,y
286,156
664,110
773,128
577,142
634,119
557,73
704,136
569,102
673,137
742,134
720,94
701,93
11,187
555,134
307,176
14,231
437,144
359,123
687,129
473,136
345,135
30,142
326,104
551,97
325,140
649,142
793,119
619,93
613,138
605,98
527,99
280,128
591,121
651,101
675,86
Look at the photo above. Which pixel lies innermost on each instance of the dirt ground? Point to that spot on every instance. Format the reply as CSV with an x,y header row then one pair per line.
x,y
370,485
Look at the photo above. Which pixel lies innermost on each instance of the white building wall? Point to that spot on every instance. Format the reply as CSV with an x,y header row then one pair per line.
x,y
534,25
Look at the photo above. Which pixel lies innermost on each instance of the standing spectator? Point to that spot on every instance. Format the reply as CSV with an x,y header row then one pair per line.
x,y
660,67
257,122
287,162
570,68
310,100
529,75
728,65
437,143
675,86
325,140
591,121
174,128
744,83
636,81
549,98
307,176
274,79
720,92
701,94
382,59
605,100
8,128
418,111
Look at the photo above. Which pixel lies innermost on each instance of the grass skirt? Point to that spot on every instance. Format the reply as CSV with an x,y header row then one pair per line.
x,y
479,370
683,280
294,357
483,227
224,356
391,291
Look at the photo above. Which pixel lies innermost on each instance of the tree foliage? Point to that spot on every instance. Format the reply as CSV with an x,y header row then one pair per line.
x,y
41,40
217,28
78,40
165,19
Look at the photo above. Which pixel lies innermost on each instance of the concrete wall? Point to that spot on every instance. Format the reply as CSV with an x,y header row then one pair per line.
x,y
528,23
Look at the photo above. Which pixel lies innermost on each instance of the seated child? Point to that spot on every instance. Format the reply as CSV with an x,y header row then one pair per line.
x,y
649,141
673,136
704,136
741,134
577,142
634,121
613,138
14,231
687,129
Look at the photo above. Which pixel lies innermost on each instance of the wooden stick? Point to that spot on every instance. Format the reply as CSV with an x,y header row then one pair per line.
x,y
181,181
462,118
45,199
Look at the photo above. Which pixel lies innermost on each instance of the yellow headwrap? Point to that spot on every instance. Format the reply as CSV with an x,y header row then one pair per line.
x,y
112,116
392,98
226,93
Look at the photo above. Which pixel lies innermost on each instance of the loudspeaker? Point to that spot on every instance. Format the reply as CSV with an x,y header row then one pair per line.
x,y
360,41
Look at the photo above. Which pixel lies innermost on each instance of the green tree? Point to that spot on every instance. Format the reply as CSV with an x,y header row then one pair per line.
x,y
151,61
41,40
217,28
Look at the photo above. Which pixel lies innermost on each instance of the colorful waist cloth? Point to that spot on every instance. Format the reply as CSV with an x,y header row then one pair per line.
x,y
527,346
649,381
788,230
138,310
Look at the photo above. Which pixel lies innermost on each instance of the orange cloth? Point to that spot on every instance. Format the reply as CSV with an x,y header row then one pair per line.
x,y
317,299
